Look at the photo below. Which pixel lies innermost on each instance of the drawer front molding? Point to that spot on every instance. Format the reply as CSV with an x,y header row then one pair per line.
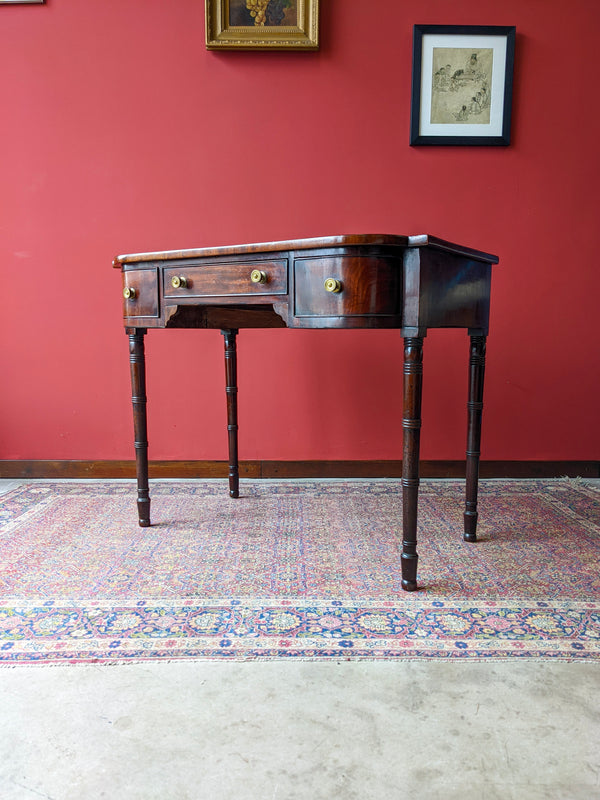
x,y
226,280
347,286
140,293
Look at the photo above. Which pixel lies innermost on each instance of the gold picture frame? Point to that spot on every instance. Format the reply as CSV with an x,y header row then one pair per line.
x,y
262,24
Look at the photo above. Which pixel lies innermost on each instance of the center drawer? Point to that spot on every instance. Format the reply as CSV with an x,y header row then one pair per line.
x,y
217,280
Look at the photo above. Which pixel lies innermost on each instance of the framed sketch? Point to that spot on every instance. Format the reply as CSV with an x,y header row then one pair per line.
x,y
462,84
262,24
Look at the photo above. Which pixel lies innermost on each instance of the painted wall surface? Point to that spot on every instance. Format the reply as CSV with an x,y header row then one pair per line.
x,y
120,133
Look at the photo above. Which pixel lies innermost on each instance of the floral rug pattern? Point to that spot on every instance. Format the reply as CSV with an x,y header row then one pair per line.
x,y
302,569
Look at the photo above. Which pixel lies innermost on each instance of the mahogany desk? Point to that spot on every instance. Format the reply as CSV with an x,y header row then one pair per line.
x,y
365,281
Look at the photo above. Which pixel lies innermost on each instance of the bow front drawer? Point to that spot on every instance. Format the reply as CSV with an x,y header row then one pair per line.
x,y
218,280
347,286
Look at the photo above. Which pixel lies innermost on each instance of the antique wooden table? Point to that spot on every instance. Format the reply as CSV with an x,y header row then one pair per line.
x,y
361,281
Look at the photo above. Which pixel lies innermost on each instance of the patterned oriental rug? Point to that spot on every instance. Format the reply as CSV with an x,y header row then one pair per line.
x,y
307,569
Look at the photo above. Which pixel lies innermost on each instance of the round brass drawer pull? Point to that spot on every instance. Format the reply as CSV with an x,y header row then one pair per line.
x,y
178,282
333,285
258,276
129,293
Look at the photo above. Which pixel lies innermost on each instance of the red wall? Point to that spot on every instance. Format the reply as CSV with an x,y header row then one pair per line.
x,y
119,133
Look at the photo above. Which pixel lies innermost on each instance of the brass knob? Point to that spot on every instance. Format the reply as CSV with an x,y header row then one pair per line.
x,y
258,276
178,282
129,293
333,285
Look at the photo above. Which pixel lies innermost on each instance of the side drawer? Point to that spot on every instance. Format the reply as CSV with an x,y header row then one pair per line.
x,y
142,287
217,280
362,286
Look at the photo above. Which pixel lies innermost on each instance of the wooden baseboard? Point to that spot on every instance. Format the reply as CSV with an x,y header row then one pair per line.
x,y
295,469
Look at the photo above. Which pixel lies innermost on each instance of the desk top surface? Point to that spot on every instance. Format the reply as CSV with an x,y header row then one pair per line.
x,y
346,240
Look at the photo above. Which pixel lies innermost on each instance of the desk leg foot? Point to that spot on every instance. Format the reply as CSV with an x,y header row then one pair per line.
x,y
137,362
143,512
474,412
411,429
231,390
408,585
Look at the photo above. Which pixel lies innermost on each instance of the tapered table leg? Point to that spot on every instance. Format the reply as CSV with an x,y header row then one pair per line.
x,y
137,362
232,415
411,425
474,413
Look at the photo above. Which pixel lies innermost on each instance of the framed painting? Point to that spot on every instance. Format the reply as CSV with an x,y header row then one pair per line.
x,y
462,84
262,24
21,1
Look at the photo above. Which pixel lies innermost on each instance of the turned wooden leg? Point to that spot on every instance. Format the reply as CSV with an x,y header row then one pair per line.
x,y
474,412
138,400
411,426
232,416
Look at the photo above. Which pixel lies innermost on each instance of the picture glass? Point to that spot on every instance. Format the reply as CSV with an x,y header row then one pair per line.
x,y
263,13
462,85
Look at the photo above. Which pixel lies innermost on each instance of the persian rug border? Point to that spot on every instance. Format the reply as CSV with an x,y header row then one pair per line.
x,y
299,628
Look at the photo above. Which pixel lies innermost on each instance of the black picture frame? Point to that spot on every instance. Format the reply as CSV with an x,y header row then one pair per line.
x,y
460,98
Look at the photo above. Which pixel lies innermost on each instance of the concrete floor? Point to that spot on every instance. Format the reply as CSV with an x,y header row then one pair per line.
x,y
301,731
